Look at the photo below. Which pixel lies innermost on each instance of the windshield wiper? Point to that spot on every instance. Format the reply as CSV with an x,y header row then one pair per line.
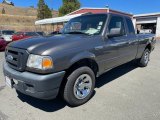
x,y
77,32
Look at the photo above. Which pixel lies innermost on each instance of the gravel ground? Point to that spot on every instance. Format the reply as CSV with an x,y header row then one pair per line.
x,y
124,93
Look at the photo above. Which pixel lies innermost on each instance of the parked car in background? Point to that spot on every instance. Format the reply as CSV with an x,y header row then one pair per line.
x,y
145,31
3,44
24,35
41,33
7,34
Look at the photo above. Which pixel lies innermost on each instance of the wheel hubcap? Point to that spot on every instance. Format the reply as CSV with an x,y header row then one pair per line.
x,y
146,57
82,86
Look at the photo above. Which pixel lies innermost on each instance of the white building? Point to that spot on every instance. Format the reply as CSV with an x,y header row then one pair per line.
x,y
149,21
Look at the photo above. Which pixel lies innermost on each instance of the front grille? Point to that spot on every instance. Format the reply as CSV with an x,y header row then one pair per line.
x,y
16,58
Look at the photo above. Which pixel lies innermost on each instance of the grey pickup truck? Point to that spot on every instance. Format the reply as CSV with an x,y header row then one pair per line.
x,y
68,63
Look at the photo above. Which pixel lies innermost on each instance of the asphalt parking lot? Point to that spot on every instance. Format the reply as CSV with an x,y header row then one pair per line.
x,y
124,93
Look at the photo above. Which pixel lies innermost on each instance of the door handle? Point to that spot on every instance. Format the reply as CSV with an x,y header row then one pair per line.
x,y
99,47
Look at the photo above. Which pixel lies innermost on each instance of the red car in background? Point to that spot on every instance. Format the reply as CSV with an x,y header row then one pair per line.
x,y
23,35
3,44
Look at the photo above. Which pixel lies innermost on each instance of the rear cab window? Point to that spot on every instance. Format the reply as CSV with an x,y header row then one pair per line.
x,y
130,26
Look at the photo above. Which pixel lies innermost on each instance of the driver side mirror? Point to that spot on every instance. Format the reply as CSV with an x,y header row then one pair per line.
x,y
114,32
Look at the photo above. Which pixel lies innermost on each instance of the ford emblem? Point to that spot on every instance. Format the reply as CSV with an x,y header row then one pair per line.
x,y
10,57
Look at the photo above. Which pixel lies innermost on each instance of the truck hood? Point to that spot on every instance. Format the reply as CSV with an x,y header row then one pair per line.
x,y
47,45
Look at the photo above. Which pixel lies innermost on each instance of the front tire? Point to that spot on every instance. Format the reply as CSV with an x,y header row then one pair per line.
x,y
145,58
79,87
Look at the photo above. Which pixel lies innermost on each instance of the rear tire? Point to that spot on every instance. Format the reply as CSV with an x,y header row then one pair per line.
x,y
79,87
143,62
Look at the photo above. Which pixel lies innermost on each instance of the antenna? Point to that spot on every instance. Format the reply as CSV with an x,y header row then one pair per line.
x,y
107,6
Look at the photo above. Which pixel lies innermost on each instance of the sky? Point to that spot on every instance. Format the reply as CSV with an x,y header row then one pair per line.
x,y
130,6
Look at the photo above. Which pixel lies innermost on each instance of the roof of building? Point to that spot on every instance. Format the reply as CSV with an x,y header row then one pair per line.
x,y
93,10
56,20
98,10
147,14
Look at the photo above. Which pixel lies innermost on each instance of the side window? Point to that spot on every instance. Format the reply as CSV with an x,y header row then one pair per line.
x,y
116,26
130,26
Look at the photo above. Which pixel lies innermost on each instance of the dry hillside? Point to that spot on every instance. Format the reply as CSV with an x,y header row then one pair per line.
x,y
19,19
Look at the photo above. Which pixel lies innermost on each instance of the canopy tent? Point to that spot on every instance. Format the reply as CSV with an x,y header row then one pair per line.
x,y
56,20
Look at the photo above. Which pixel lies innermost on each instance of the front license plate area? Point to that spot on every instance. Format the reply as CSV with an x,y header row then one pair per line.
x,y
9,82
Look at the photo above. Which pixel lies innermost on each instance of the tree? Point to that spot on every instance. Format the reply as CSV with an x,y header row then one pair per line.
x,y
48,12
3,11
69,6
43,10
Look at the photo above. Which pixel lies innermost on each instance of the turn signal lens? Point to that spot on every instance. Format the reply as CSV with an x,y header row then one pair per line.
x,y
47,63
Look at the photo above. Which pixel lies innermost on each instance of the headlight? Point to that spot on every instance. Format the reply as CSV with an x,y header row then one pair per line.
x,y
40,62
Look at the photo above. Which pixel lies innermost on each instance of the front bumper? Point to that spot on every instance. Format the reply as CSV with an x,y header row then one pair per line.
x,y
35,85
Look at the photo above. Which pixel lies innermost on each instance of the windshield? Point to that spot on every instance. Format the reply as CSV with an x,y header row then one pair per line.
x,y
7,32
89,24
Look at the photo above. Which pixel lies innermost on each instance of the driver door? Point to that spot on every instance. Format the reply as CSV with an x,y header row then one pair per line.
x,y
117,43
